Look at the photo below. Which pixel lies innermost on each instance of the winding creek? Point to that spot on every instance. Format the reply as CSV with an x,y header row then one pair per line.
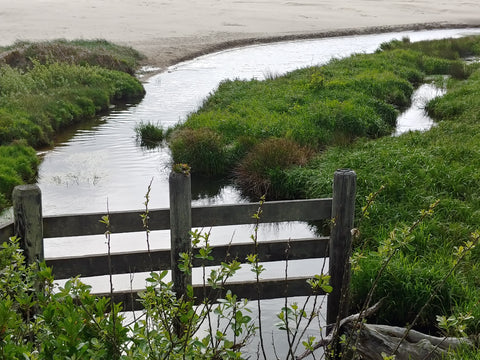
x,y
101,165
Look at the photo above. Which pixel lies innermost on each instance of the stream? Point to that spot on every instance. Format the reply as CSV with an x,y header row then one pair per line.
x,y
100,166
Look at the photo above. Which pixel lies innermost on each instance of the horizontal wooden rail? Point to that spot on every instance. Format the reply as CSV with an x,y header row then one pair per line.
x,y
142,261
203,216
267,289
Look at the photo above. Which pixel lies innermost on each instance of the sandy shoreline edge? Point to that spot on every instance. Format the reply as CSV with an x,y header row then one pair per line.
x,y
200,48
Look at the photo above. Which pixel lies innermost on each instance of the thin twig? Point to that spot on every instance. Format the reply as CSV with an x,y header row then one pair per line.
x,y
330,338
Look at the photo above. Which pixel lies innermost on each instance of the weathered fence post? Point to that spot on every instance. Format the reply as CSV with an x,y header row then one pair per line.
x,y
180,226
28,221
343,211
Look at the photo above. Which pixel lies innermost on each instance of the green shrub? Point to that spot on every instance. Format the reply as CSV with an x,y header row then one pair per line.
x,y
41,320
202,149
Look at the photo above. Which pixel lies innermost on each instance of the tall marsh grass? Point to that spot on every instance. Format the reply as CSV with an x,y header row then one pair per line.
x,y
335,104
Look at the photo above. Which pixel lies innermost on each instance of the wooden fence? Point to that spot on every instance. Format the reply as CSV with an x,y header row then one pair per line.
x,y
32,228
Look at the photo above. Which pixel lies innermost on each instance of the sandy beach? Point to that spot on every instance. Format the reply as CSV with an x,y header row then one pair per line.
x,y
168,31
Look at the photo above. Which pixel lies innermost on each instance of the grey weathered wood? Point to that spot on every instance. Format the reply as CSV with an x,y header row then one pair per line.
x,y
89,224
180,227
269,289
6,231
122,263
274,211
181,218
343,212
202,216
139,261
28,223
374,340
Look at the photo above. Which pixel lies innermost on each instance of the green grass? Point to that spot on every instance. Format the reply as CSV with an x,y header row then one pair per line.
x,y
341,111
47,87
416,169
346,99
149,134
18,164
23,54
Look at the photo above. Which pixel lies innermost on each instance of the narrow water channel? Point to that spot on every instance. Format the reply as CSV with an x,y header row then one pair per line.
x,y
101,166
103,162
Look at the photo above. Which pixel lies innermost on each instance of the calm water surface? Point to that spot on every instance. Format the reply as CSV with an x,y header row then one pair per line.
x,y
102,166
103,163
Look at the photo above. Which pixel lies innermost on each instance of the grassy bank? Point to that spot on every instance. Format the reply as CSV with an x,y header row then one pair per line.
x,y
337,115
46,87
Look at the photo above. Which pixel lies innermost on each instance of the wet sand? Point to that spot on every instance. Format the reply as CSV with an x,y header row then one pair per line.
x,y
168,31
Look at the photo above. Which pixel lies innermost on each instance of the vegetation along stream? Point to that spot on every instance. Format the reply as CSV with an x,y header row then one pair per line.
x,y
326,114
104,163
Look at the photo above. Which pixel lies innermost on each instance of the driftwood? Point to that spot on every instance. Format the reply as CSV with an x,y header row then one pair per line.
x,y
373,340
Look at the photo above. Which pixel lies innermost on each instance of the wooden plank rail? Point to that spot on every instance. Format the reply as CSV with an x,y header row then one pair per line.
x,y
268,289
141,261
202,216
32,228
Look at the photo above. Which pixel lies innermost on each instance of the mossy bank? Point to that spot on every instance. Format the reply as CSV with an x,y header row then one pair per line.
x,y
46,87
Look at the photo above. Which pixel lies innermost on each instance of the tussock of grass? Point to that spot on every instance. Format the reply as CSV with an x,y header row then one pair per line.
x,y
202,149
149,134
266,159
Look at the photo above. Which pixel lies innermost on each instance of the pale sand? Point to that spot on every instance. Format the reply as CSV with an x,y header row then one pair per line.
x,y
168,31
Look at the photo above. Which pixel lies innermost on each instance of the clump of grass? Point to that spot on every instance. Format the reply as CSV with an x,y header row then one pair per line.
x,y
202,149
149,134
264,160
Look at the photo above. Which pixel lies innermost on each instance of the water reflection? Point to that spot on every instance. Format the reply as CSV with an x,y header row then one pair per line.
x,y
102,163
416,118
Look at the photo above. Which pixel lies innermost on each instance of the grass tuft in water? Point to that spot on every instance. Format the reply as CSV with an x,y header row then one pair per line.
x,y
264,160
149,134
